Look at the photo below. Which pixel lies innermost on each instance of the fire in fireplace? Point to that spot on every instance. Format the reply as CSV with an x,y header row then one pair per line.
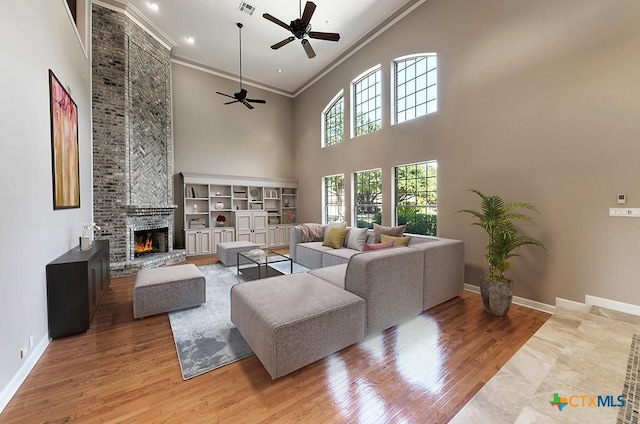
x,y
150,241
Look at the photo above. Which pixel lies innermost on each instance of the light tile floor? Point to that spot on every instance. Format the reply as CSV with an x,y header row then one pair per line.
x,y
573,354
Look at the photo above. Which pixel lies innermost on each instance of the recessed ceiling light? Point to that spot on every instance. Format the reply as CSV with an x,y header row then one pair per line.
x,y
280,71
154,6
190,40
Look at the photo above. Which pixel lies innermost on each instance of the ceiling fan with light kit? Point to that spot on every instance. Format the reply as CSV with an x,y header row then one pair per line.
x,y
241,96
301,29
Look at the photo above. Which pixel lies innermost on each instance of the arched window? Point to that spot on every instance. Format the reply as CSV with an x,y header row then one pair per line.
x,y
367,102
415,86
333,121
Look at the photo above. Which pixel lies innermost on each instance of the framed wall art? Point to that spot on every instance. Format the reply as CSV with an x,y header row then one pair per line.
x,y
65,160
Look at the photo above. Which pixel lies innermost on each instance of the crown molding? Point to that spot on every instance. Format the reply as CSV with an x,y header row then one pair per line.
x,y
135,15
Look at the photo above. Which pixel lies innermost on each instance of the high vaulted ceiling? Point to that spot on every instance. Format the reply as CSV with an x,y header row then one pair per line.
x,y
212,24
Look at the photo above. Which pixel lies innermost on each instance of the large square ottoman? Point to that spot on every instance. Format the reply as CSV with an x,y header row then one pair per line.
x,y
166,289
228,252
293,320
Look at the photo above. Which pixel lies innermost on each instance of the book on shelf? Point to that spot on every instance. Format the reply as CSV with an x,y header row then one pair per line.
x,y
193,192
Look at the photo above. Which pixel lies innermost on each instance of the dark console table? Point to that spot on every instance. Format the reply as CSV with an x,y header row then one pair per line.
x,y
76,282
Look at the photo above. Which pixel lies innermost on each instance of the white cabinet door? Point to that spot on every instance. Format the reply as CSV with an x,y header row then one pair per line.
x,y
271,236
221,236
198,242
244,236
192,243
260,221
260,238
206,242
244,221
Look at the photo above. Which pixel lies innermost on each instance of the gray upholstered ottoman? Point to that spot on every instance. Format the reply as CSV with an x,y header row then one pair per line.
x,y
228,252
293,320
166,289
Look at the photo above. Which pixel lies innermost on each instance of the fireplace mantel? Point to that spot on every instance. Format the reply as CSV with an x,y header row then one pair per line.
x,y
146,210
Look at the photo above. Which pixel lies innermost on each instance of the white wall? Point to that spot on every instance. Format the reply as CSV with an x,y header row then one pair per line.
x,y
538,102
39,35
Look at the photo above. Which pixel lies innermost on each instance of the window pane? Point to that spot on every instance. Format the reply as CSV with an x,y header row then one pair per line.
x,y
368,198
416,197
413,79
334,198
367,103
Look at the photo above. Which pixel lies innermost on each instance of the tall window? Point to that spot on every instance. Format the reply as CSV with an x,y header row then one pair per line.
x,y
368,198
367,102
416,202
416,83
334,198
333,121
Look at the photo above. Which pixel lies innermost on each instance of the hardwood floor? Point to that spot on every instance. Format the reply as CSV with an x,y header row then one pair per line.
x,y
126,370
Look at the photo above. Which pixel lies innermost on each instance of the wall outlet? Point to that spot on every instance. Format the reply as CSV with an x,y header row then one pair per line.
x,y
23,352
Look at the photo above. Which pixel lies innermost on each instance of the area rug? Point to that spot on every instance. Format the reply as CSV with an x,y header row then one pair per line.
x,y
204,336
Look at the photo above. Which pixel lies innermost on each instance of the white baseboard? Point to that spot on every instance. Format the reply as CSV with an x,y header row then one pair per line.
x,y
17,380
527,303
571,305
612,304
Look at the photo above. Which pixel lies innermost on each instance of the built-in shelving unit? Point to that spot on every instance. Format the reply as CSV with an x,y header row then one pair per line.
x,y
209,198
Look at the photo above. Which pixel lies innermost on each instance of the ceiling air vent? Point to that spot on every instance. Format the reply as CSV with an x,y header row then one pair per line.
x,y
247,8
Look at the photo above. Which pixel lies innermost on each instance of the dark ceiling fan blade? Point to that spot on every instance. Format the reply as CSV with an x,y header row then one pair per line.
x,y
234,101
329,36
247,105
283,43
226,95
308,49
276,21
256,101
309,8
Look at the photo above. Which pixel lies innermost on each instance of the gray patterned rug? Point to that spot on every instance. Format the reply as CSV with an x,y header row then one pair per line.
x,y
204,336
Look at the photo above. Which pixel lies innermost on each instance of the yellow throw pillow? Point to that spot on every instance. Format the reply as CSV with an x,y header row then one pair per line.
x,y
397,241
335,238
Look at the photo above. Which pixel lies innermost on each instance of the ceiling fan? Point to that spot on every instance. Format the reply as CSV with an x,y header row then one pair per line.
x,y
241,96
301,29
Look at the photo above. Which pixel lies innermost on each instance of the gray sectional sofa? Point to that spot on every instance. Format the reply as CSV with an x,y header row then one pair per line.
x,y
293,320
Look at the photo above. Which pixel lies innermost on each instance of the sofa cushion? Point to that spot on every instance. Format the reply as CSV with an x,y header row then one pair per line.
x,y
335,238
356,238
310,254
331,274
377,246
333,257
397,241
396,231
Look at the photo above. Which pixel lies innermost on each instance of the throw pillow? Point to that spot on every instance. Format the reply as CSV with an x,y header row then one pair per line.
x,y
334,224
335,238
390,231
377,246
397,241
357,238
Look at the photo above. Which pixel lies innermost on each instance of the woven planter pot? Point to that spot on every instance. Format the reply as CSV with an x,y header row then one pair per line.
x,y
496,296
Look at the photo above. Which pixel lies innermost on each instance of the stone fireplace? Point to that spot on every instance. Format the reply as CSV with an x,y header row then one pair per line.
x,y
132,140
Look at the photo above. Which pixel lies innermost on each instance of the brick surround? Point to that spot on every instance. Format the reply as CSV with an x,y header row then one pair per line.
x,y
132,137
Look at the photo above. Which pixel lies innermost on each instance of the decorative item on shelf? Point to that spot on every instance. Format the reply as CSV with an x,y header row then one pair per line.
x,y
286,202
195,208
254,193
288,217
85,239
220,220
218,193
219,205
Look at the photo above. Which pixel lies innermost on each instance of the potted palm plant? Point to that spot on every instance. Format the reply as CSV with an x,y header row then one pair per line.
x,y
498,218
